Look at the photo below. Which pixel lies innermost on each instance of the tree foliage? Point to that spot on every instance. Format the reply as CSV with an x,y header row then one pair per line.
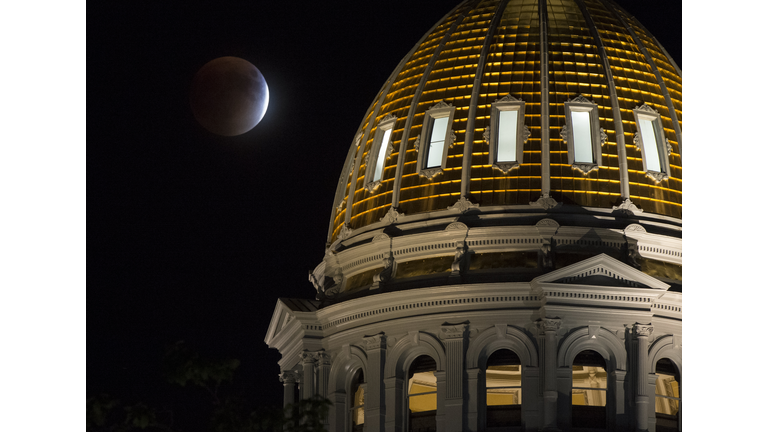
x,y
230,412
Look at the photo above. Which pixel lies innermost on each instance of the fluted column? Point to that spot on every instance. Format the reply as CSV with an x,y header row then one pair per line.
x,y
289,379
548,329
308,360
376,350
641,333
454,337
323,372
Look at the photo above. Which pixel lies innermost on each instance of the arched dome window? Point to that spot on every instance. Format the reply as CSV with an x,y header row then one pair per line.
x,y
503,389
650,140
668,398
589,390
357,402
422,395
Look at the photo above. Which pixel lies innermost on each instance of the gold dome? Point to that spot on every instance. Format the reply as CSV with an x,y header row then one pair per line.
x,y
485,57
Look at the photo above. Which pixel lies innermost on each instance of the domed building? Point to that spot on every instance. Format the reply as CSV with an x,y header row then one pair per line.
x,y
505,244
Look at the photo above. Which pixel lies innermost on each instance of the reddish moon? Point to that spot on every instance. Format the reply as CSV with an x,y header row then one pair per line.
x,y
229,96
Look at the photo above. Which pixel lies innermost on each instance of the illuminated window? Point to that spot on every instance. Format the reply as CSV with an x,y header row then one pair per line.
x,y
435,139
422,395
507,133
357,402
380,151
667,396
503,390
650,140
589,390
582,134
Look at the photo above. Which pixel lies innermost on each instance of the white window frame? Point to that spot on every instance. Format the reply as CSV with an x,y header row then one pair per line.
x,y
491,135
387,123
439,110
598,135
662,145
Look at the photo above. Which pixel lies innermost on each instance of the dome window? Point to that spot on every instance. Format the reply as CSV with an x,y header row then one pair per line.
x,y
380,151
582,134
507,133
650,140
435,140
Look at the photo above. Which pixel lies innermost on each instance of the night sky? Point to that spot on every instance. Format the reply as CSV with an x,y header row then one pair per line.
x,y
193,236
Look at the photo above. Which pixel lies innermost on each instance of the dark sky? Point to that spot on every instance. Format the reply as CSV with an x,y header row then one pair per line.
x,y
192,236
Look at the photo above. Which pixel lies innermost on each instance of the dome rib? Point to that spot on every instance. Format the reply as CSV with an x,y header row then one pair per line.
x,y
416,96
659,79
469,135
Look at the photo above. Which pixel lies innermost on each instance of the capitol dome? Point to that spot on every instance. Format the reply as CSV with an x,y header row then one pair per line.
x,y
509,207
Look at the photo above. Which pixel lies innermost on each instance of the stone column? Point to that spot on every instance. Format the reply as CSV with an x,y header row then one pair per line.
x,y
323,372
454,338
641,333
476,398
375,411
308,360
548,329
289,379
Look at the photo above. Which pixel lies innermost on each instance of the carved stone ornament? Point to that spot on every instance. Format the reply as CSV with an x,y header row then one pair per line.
x,y
377,341
391,216
453,331
628,206
341,206
643,330
669,146
463,204
657,177
318,286
416,143
581,99
381,237
289,377
338,277
506,167
487,134
323,358
546,255
456,226
308,357
634,228
603,137
345,231
547,222
430,173
451,139
647,108
386,274
441,104
548,324
545,201
564,133
458,259
372,186
585,168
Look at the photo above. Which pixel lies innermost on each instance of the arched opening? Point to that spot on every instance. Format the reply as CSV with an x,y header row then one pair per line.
x,y
589,390
422,395
357,402
668,398
503,390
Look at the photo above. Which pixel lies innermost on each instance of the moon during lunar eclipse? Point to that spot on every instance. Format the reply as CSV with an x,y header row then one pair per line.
x,y
229,96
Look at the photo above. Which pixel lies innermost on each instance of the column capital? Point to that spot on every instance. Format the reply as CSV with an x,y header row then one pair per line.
x,y
642,330
308,357
377,341
548,324
323,358
453,331
289,377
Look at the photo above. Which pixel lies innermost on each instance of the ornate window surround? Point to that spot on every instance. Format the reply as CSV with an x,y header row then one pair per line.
x,y
387,123
491,135
439,110
582,104
662,145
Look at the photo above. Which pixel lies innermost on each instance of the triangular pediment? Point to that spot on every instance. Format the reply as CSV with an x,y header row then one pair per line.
x,y
601,270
